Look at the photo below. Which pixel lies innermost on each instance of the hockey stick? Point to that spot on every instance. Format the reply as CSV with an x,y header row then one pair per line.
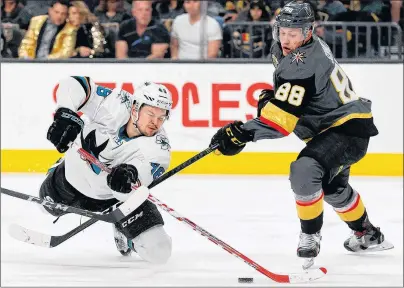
x,y
40,239
305,276
127,207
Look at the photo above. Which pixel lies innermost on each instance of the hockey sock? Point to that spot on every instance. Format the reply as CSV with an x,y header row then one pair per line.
x,y
311,214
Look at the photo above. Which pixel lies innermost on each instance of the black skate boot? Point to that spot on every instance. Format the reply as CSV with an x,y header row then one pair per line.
x,y
123,245
309,248
368,240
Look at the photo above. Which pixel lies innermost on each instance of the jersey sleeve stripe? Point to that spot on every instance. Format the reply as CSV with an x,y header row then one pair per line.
x,y
85,83
278,119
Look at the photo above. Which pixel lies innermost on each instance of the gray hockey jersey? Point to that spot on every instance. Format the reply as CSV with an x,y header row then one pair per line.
x,y
312,95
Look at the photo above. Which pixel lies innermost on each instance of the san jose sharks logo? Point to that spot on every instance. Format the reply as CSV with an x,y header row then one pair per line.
x,y
90,145
125,99
163,141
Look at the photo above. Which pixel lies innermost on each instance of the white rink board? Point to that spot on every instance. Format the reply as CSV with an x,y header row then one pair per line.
x,y
27,103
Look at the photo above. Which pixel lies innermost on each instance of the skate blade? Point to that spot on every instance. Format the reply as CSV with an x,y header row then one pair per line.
x,y
308,262
385,245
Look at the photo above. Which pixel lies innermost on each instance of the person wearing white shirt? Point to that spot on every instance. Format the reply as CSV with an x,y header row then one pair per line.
x,y
186,34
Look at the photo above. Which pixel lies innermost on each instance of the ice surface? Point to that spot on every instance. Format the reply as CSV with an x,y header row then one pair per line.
x,y
255,215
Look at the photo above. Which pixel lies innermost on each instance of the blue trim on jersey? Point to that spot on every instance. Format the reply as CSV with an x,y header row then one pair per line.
x,y
123,136
96,169
83,83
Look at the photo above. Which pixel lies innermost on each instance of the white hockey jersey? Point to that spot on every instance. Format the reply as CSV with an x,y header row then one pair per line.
x,y
105,114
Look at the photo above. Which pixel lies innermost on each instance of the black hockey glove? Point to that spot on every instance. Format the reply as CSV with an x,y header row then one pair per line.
x,y
121,178
263,99
64,129
232,138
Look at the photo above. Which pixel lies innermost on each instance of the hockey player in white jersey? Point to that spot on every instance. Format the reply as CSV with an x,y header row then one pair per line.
x,y
125,132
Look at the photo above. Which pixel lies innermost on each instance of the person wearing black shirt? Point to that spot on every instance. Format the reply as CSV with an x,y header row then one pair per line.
x,y
141,36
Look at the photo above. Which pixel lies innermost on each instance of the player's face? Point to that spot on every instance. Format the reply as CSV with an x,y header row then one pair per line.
x,y
150,120
290,38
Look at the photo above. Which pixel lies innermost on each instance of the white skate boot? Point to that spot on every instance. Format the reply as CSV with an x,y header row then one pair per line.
x,y
309,248
368,240
123,245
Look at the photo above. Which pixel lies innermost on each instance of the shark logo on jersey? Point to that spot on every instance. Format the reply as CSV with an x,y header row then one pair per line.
x,y
125,99
163,141
90,145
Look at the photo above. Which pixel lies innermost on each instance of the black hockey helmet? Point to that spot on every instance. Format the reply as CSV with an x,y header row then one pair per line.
x,y
295,14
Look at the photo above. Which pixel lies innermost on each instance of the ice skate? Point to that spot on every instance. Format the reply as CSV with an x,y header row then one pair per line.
x,y
122,243
308,248
369,240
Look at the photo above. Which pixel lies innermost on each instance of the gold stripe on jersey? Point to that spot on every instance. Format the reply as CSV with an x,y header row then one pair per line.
x,y
343,120
279,119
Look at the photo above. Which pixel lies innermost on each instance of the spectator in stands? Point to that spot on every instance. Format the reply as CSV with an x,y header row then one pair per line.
x,y
31,9
142,36
4,51
90,40
169,9
10,11
186,34
329,8
111,11
258,43
49,36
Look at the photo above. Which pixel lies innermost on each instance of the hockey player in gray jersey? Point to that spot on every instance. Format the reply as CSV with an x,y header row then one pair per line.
x,y
125,132
313,98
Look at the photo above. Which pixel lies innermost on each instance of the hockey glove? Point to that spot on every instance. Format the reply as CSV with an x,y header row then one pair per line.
x,y
64,129
265,96
121,178
232,138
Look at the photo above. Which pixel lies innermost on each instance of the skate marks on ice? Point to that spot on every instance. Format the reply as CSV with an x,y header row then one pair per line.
x,y
261,224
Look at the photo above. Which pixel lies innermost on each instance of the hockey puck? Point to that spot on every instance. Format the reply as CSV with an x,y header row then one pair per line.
x,y
245,280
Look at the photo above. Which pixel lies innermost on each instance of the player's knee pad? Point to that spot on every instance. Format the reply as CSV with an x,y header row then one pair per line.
x,y
305,177
153,245
142,219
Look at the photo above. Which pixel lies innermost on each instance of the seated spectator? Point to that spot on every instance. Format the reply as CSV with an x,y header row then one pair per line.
x,y
13,35
110,11
141,36
186,42
10,11
258,43
330,8
31,9
4,51
49,36
169,9
90,40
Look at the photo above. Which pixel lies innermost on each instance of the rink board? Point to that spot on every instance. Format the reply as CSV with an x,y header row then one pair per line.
x,y
206,97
